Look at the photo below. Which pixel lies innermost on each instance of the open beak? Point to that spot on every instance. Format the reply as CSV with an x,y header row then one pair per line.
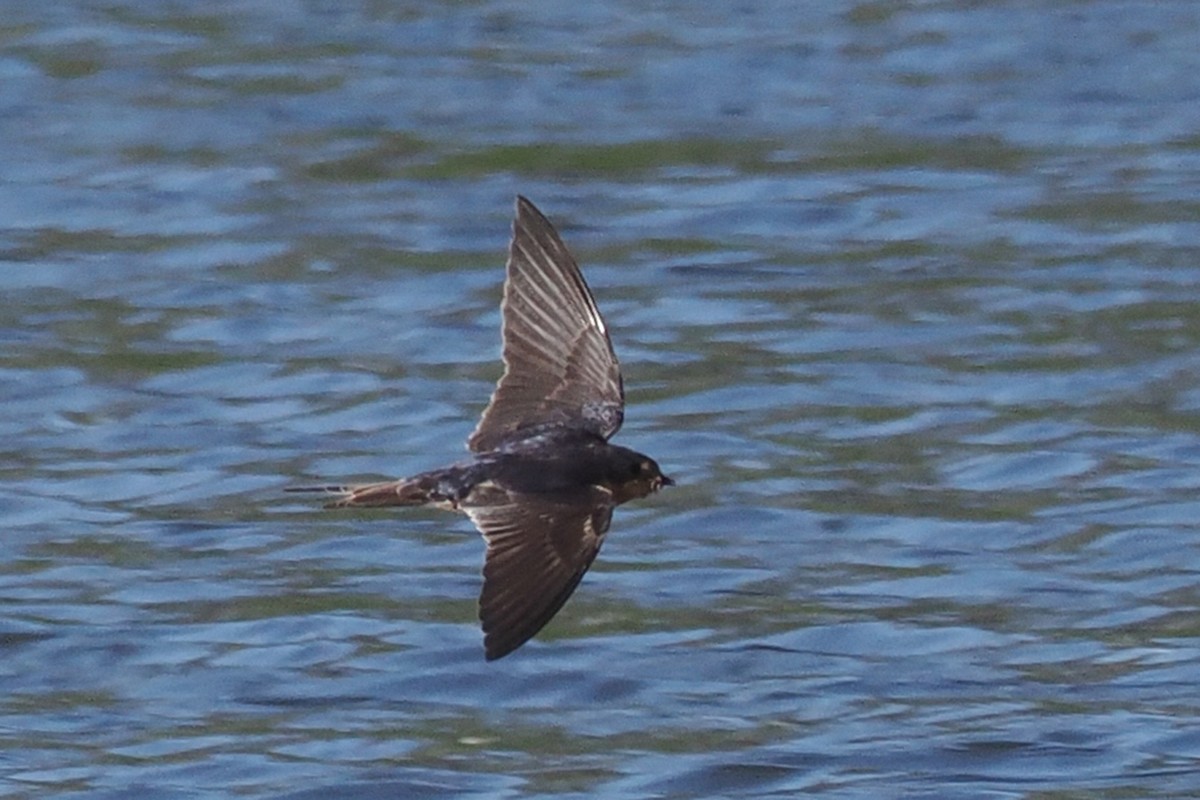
x,y
663,480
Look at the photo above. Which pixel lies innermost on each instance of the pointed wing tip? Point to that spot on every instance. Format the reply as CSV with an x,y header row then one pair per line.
x,y
526,212
504,641
501,639
494,652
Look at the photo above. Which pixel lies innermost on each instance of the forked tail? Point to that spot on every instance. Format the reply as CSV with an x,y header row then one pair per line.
x,y
416,491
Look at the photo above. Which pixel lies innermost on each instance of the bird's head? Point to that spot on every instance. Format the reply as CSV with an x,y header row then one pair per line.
x,y
636,476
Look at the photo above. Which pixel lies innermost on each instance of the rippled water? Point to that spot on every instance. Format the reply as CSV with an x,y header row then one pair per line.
x,y
906,298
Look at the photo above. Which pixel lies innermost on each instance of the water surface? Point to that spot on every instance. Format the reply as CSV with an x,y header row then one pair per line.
x,y
905,297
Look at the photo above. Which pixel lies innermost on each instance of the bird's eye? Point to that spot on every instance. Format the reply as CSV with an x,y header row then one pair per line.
x,y
635,469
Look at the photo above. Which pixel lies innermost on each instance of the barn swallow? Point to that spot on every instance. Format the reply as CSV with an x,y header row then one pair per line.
x,y
543,480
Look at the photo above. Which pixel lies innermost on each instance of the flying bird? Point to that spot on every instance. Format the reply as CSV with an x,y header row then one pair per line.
x,y
543,479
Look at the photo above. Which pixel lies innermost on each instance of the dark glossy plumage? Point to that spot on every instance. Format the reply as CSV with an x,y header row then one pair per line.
x,y
544,480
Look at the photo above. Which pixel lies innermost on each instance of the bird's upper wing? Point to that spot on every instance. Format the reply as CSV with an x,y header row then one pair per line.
x,y
538,548
559,365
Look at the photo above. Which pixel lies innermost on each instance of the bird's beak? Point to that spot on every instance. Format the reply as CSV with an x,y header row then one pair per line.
x,y
665,481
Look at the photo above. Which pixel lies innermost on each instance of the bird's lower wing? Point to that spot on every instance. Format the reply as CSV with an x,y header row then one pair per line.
x,y
538,549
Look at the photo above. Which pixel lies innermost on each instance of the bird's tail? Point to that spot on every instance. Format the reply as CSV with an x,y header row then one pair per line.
x,y
415,491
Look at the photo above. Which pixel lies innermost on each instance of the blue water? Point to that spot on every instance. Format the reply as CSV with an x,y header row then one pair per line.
x,y
905,297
